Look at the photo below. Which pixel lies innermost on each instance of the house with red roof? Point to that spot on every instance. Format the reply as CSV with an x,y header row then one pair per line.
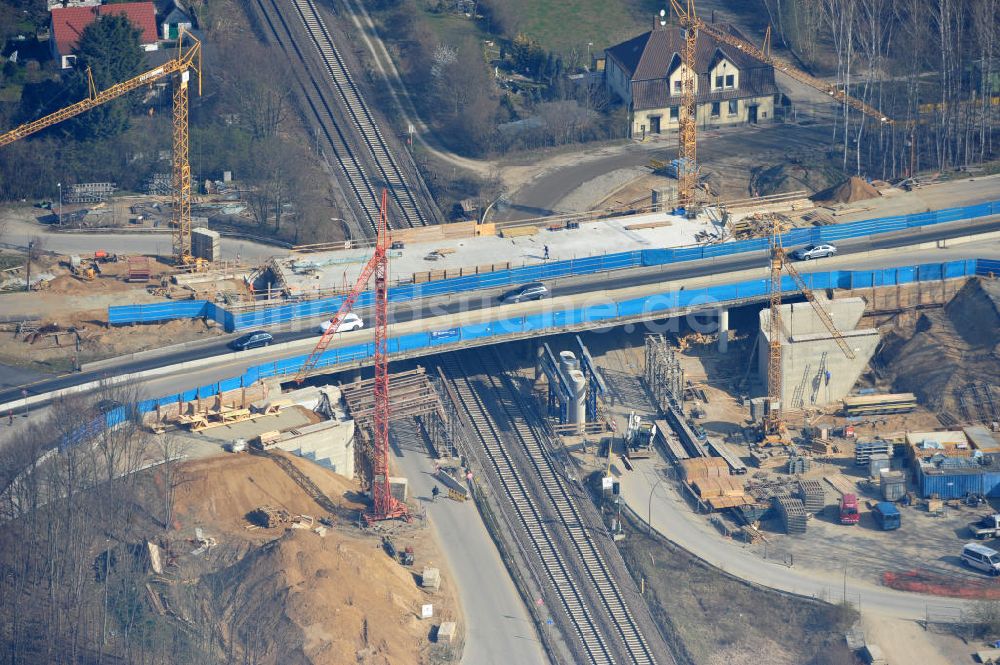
x,y
68,23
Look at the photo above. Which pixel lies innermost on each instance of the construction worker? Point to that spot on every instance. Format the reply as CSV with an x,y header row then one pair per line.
x,y
434,493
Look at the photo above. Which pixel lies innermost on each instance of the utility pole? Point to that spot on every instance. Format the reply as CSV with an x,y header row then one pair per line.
x,y
27,266
59,185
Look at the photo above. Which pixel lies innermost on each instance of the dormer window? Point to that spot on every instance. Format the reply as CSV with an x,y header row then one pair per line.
x,y
730,80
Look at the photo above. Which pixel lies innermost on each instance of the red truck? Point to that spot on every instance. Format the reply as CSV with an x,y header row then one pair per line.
x,y
849,509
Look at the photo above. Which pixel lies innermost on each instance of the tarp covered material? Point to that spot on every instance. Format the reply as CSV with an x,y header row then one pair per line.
x,y
853,189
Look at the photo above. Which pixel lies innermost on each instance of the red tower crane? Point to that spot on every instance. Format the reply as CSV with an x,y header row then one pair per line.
x,y
384,505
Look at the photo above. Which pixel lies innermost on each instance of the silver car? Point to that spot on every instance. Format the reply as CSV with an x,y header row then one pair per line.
x,y
814,252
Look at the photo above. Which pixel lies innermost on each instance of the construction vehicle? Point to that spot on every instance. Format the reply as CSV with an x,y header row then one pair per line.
x,y
687,173
849,509
985,527
188,59
406,556
639,437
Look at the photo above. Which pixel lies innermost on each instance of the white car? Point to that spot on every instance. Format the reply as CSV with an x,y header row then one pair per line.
x,y
351,322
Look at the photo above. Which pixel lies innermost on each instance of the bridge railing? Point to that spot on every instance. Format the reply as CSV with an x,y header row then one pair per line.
x,y
147,313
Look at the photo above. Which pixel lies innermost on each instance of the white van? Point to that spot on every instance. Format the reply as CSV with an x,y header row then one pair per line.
x,y
982,558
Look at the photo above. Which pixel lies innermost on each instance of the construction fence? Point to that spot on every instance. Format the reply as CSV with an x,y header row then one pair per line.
x,y
551,322
231,322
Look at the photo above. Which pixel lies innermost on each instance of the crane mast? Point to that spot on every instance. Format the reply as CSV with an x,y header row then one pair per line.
x,y
687,173
188,59
384,505
687,150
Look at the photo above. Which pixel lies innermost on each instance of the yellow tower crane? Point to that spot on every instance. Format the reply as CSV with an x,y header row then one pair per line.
x,y
687,175
774,426
188,59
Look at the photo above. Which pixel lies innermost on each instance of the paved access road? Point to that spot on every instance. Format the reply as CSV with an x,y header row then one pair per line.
x,y
654,497
851,257
18,232
499,630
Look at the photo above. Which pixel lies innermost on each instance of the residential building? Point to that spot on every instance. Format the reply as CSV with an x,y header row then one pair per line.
x,y
68,23
646,73
174,18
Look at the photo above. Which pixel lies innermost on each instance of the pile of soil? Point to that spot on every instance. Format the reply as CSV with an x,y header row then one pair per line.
x,y
288,596
946,349
333,600
218,493
851,190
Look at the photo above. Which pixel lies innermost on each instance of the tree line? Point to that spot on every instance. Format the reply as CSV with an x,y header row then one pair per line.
x,y
75,513
933,66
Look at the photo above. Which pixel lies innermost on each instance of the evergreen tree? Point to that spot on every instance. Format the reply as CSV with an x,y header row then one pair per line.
x,y
110,47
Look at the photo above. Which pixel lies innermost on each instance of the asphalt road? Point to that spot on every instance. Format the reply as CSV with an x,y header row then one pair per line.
x,y
450,305
541,196
655,499
498,628
19,232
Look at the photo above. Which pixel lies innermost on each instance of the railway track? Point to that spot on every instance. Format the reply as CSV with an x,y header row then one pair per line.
x,y
354,105
364,191
569,569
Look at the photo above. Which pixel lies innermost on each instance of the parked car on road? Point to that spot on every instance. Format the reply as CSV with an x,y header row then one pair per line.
x,y
814,252
531,291
251,340
351,322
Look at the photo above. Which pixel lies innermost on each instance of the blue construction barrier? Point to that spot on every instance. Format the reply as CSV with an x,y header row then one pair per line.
x,y
553,321
540,272
446,338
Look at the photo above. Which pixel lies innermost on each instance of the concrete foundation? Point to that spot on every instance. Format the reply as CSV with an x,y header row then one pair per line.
x,y
815,371
329,443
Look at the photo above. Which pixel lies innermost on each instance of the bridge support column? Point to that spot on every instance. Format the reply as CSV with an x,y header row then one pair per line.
x,y
540,378
723,330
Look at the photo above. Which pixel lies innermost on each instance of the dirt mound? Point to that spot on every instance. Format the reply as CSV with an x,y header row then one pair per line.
x,y
851,190
948,348
323,601
219,492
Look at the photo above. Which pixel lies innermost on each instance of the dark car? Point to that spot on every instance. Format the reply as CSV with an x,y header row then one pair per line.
x,y
251,341
532,291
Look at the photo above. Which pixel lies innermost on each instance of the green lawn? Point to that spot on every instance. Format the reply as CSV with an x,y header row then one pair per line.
x,y
565,25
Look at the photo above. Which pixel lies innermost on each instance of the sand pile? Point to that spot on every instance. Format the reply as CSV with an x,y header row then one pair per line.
x,y
288,596
219,492
851,190
948,348
323,601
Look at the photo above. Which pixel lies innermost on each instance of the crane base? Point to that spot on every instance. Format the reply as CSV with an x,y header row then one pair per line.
x,y
397,511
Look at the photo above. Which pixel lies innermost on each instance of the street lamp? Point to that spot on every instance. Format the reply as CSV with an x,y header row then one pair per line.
x,y
59,185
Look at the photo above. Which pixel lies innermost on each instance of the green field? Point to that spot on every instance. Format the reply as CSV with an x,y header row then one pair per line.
x,y
566,25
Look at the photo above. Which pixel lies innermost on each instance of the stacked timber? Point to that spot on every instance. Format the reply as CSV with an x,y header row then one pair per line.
x,y
864,405
704,467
